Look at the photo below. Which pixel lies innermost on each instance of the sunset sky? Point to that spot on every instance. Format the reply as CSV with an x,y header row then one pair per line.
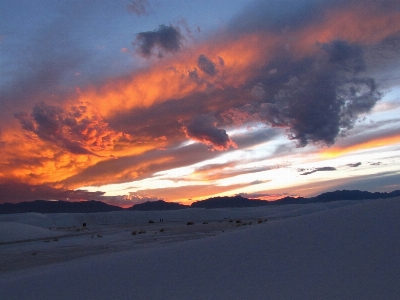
x,y
127,101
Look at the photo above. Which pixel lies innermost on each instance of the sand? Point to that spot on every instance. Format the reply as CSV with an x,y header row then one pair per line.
x,y
342,250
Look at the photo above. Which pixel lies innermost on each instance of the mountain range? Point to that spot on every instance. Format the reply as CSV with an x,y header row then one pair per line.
x,y
92,206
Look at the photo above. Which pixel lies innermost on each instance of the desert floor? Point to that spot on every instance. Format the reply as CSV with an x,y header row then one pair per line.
x,y
337,250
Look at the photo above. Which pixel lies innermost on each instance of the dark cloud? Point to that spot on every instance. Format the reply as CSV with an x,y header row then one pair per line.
x,y
203,129
206,65
346,56
139,7
317,98
355,165
322,169
166,39
73,130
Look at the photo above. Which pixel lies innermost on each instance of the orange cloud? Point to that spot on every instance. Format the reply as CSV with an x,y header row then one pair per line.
x,y
337,151
237,59
241,56
114,171
356,23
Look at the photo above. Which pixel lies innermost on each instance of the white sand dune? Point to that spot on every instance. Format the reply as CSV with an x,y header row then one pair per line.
x,y
349,252
12,231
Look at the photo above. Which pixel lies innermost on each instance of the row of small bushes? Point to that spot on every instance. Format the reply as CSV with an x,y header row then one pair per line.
x,y
134,232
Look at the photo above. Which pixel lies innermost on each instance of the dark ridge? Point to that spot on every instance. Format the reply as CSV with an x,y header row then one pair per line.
x,y
221,202
337,196
158,205
238,201
43,206
93,206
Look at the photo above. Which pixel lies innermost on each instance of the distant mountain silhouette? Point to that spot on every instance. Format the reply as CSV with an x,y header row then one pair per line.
x,y
221,202
93,206
43,206
238,201
338,195
158,205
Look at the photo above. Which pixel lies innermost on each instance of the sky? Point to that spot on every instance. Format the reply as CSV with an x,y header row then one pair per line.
x,y
127,101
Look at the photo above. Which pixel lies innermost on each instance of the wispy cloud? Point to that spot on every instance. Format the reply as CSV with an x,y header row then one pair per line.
x,y
321,169
139,7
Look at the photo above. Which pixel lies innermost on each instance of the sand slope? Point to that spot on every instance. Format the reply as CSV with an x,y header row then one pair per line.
x,y
12,231
349,252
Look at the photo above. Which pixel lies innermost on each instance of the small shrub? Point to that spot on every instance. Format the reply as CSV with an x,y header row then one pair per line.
x,y
205,222
142,231
238,221
190,223
151,221
134,232
259,221
230,221
162,230
99,235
